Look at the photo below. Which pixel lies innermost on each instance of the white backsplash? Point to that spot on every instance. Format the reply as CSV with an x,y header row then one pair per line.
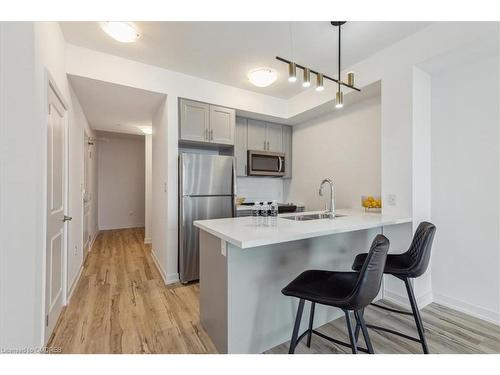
x,y
260,188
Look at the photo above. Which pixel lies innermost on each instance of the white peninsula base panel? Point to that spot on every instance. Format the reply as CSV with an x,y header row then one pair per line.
x,y
241,304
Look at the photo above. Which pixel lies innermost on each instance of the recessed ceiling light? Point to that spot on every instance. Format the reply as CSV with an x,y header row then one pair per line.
x,y
146,129
123,32
262,77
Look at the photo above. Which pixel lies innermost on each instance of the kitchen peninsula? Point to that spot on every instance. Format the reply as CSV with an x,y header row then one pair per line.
x,y
243,269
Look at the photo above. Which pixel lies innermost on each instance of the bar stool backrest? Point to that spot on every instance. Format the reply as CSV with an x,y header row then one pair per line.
x,y
370,275
419,253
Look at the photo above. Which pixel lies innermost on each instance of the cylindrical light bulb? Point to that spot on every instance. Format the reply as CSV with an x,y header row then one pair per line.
x,y
339,99
319,82
307,78
292,72
350,78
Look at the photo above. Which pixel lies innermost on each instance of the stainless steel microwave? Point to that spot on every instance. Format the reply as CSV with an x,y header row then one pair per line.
x,y
261,163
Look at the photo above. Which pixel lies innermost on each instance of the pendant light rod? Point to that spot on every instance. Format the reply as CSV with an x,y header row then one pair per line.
x,y
340,41
316,73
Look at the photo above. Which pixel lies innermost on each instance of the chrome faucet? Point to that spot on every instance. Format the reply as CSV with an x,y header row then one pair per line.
x,y
331,210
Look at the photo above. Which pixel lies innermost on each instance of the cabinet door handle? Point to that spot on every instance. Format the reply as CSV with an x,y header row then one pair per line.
x,y
206,135
211,134
264,145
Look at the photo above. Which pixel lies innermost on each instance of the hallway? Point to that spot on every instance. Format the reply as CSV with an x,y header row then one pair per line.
x,y
121,304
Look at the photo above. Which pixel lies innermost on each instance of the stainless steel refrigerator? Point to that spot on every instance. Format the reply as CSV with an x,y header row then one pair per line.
x,y
206,191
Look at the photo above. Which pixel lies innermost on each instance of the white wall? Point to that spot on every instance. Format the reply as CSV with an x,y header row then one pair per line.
x,y
465,187
27,52
121,180
160,228
148,211
344,146
21,219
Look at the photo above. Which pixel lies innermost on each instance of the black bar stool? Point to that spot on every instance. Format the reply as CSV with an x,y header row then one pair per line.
x,y
410,264
350,291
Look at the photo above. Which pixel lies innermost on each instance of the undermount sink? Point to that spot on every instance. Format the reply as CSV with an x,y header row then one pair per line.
x,y
308,217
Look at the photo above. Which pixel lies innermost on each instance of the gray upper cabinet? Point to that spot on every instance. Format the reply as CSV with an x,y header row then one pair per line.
x,y
240,146
274,137
194,124
287,149
201,122
222,125
257,135
265,136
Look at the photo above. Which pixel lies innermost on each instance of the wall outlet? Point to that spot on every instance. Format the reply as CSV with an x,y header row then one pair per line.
x,y
76,250
391,199
131,213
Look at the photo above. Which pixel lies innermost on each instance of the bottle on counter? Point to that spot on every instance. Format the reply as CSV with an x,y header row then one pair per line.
x,y
265,214
274,213
256,214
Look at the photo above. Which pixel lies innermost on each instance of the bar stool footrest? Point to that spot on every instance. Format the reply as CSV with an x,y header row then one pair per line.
x,y
378,328
330,339
392,310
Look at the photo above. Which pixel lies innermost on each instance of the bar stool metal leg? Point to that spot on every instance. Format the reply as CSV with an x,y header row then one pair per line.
x,y
416,315
361,323
298,318
351,333
356,330
311,321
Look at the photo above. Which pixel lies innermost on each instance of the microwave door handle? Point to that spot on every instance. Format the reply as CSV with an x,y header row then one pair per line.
x,y
280,164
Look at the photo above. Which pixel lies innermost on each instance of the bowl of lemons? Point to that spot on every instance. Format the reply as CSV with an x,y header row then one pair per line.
x,y
371,203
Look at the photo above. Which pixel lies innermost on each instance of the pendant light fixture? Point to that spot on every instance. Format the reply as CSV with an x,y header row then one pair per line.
x,y
307,78
319,82
339,97
292,70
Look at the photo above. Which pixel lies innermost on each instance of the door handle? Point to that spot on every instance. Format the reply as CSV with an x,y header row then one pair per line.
x,y
280,167
265,146
211,134
66,218
206,135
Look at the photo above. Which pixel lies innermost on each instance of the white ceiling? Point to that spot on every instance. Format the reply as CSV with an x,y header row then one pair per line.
x,y
225,51
115,108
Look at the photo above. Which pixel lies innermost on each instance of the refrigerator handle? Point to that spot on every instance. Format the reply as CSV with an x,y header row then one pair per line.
x,y
233,203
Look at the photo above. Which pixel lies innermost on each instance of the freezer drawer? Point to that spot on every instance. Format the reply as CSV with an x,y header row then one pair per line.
x,y
191,209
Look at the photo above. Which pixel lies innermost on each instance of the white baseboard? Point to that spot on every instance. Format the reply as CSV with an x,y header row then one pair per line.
x,y
469,309
124,226
147,240
75,282
93,239
158,265
402,300
172,278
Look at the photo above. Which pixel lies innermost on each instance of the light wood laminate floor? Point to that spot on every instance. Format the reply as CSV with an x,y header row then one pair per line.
x,y
121,305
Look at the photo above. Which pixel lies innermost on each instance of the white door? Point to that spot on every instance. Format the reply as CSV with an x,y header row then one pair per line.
x,y
56,210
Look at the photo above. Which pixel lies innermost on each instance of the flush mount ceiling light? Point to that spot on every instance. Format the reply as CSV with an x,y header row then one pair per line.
x,y
292,71
262,77
123,32
146,129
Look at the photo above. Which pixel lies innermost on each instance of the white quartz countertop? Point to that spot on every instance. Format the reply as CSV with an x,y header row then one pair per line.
x,y
241,232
